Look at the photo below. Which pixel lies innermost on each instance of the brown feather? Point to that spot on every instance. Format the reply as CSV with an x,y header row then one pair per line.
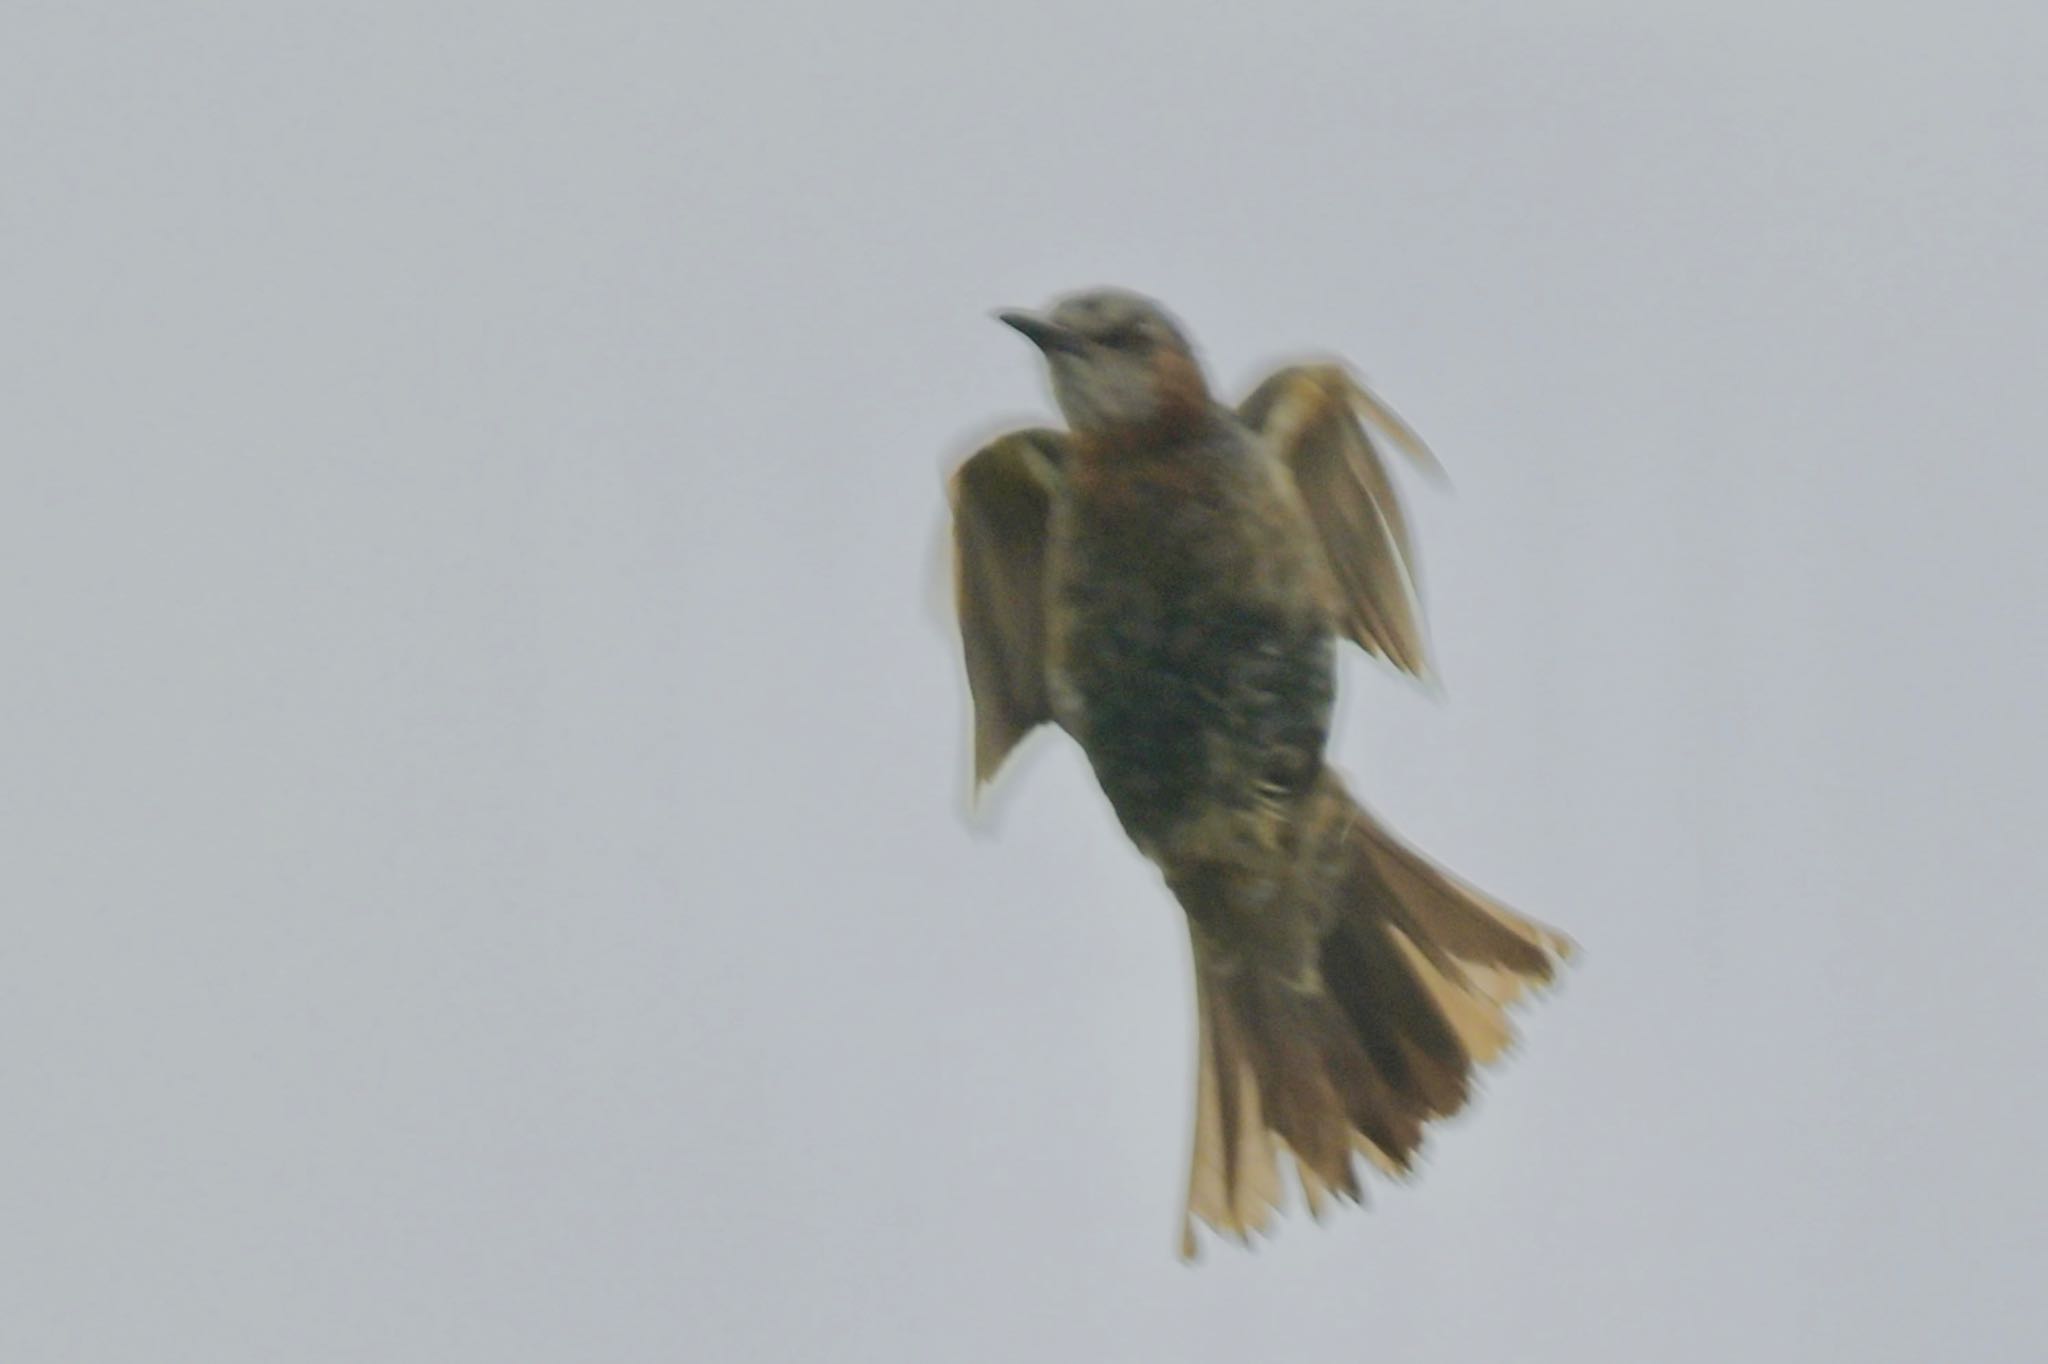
x,y
1002,499
1408,997
1309,415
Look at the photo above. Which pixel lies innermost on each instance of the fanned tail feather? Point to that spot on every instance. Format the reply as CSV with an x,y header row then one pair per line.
x,y
1415,974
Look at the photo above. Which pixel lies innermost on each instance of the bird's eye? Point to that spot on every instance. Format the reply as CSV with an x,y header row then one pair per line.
x,y
1130,337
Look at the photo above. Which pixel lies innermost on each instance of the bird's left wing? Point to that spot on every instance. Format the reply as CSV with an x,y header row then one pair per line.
x,y
1314,418
1002,501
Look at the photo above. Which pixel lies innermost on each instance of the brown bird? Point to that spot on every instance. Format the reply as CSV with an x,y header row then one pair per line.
x,y
1167,581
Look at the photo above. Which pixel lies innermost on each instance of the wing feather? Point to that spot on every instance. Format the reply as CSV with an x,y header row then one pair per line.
x,y
1314,418
1002,501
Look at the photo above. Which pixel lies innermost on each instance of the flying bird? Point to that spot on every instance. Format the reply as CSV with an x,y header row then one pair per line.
x,y
1167,580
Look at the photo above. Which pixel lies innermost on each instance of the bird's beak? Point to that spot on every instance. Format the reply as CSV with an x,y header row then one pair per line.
x,y
1047,336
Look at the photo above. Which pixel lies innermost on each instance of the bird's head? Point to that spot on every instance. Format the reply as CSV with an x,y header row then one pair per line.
x,y
1119,362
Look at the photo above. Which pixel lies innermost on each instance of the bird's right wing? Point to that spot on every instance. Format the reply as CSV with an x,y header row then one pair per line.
x,y
1314,419
1002,502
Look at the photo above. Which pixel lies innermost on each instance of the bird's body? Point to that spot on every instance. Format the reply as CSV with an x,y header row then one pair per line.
x,y
1168,583
1188,652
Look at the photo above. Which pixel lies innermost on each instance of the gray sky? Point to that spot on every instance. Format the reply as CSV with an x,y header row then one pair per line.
x,y
481,835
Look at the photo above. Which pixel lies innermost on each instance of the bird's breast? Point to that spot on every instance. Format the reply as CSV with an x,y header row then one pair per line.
x,y
1186,652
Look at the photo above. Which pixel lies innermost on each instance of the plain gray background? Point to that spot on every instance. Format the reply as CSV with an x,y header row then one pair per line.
x,y
482,836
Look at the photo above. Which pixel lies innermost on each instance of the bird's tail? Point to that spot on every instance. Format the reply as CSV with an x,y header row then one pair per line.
x,y
1414,973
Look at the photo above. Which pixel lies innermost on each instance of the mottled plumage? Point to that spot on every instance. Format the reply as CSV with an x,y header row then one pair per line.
x,y
1167,582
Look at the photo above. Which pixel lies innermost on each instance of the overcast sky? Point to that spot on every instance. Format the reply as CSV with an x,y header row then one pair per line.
x,y
483,852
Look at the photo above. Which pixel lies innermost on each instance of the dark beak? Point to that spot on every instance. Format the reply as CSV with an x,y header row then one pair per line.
x,y
1047,336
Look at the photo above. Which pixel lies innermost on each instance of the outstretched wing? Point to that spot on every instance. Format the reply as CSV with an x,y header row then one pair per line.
x,y
1314,418
1002,499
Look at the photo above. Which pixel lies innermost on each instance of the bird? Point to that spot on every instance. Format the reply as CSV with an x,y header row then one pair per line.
x,y
1168,579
